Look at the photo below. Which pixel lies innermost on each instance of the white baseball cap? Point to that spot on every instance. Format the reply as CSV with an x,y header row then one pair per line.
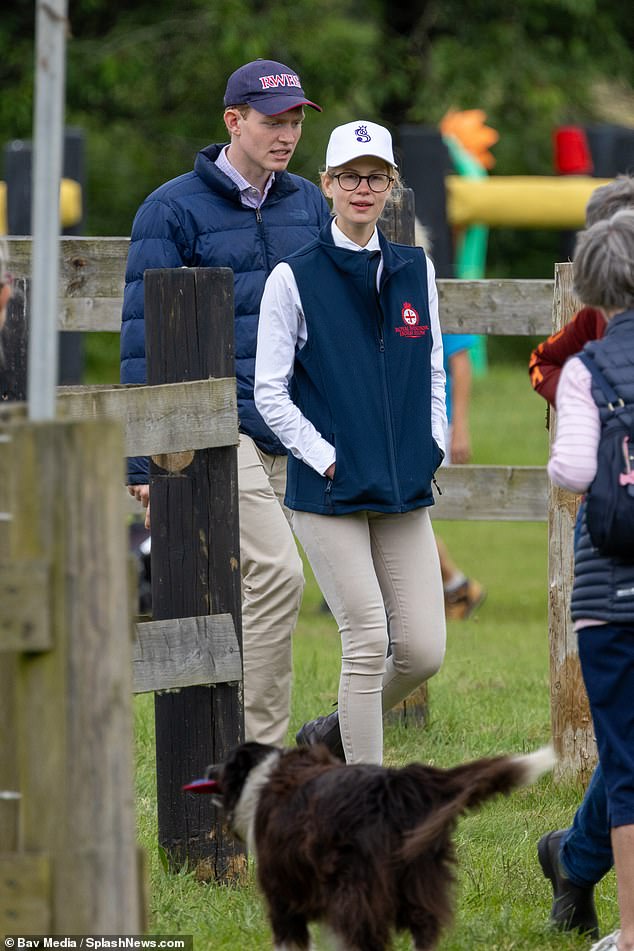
x,y
357,139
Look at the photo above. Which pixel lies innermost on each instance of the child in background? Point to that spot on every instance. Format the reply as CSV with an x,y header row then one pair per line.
x,y
462,595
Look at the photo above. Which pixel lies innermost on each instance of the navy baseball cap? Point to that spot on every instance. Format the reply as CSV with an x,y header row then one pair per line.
x,y
269,87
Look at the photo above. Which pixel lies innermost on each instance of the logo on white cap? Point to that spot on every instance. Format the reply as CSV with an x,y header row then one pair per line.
x,y
362,134
357,139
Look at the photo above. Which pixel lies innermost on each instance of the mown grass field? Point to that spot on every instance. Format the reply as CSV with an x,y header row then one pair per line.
x,y
491,696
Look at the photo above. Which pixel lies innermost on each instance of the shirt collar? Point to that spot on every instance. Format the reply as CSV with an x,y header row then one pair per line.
x,y
249,194
343,241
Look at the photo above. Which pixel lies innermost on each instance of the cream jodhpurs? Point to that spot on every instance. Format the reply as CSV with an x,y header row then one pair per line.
x,y
272,587
374,570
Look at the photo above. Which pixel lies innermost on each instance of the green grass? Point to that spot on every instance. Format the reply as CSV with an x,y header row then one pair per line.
x,y
101,358
492,695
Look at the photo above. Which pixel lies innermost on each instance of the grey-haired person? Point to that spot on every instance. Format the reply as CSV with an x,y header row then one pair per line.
x,y
240,208
602,601
577,858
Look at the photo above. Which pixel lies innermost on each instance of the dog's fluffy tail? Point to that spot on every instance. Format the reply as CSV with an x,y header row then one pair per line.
x,y
467,786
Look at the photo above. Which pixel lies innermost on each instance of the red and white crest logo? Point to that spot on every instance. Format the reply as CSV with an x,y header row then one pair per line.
x,y
411,319
409,315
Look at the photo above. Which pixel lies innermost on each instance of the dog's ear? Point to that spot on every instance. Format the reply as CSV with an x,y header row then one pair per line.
x,y
245,757
213,771
240,764
241,760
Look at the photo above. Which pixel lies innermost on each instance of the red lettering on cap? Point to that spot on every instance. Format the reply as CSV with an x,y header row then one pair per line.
x,y
279,79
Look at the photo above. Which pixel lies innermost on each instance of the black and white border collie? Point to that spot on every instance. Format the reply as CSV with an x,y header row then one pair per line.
x,y
365,850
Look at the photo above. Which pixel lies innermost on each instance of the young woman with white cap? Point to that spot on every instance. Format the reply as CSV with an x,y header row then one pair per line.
x,y
349,376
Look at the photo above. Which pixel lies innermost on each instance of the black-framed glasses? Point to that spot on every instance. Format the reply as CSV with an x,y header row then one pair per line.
x,y
377,182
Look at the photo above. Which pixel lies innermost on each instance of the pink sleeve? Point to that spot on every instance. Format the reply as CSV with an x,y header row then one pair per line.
x,y
573,459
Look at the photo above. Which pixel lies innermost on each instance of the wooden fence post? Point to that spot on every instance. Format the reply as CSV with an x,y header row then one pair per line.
x,y
64,615
15,335
13,383
195,562
573,733
9,780
398,219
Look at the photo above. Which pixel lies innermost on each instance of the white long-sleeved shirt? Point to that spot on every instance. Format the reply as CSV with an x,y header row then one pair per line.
x,y
282,332
573,459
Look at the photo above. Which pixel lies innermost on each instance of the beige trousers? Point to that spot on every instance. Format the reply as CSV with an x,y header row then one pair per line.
x,y
272,587
375,569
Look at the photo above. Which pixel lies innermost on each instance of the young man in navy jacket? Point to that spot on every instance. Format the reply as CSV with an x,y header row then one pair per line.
x,y
240,208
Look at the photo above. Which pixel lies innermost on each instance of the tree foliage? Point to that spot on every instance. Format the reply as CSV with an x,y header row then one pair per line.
x,y
150,91
145,80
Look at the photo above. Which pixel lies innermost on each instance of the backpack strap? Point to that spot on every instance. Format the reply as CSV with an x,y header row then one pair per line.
x,y
614,400
616,404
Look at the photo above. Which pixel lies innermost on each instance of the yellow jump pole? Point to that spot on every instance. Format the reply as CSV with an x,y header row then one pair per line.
x,y
70,204
520,201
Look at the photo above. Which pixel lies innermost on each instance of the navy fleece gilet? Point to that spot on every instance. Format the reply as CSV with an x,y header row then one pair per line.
x,y
364,379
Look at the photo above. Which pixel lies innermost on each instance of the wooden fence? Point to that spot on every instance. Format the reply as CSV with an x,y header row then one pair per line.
x,y
68,668
65,685
68,862
180,416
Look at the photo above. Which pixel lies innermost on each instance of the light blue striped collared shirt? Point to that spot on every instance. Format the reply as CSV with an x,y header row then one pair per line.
x,y
250,196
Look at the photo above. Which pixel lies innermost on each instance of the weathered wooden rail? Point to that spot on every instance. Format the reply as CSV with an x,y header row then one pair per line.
x,y
183,416
91,288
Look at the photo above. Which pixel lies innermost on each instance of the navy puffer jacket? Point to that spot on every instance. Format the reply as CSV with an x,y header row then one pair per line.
x,y
197,220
